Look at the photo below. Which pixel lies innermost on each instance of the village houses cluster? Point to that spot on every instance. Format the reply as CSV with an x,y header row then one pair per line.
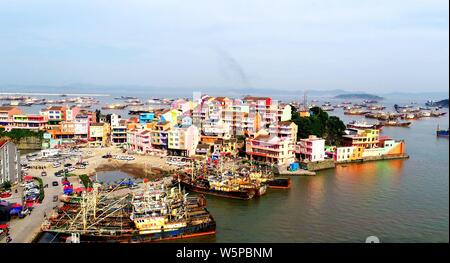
x,y
204,125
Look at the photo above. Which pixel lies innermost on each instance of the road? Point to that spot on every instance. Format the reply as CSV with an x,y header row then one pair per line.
x,y
24,230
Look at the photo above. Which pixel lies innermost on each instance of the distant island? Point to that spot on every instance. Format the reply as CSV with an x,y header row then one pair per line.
x,y
441,103
362,96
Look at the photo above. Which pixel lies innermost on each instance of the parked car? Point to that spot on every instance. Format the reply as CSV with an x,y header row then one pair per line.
x,y
55,198
44,173
55,183
5,194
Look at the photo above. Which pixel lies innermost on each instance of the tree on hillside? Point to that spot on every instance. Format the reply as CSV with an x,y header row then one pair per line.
x,y
319,124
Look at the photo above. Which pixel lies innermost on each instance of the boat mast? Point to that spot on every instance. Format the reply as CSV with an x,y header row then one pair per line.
x,y
192,170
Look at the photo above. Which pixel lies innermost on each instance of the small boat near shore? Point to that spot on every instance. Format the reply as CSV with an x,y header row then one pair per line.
x,y
228,186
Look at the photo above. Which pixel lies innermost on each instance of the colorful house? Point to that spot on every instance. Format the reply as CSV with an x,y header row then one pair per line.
x,y
368,138
146,117
270,149
159,135
183,140
99,134
311,149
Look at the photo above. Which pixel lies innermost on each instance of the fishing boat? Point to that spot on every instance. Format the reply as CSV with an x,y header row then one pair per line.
x,y
410,116
148,216
327,108
218,187
356,112
271,181
437,113
126,98
362,125
394,123
376,107
441,133
114,107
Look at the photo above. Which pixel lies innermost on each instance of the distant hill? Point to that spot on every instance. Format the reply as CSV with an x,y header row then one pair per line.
x,y
441,103
362,96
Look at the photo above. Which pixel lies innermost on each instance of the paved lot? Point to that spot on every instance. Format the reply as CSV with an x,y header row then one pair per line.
x,y
23,230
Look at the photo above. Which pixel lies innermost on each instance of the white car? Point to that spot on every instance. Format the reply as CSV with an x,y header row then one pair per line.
x,y
32,191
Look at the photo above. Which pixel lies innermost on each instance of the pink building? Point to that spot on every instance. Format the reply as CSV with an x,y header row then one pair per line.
x,y
311,149
139,140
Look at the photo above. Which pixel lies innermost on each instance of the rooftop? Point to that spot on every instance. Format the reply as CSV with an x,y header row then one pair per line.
x,y
7,108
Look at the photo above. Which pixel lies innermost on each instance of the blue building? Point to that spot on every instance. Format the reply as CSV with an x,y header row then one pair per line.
x,y
146,117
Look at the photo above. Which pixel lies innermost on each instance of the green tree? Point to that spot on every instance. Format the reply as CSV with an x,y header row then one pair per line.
x,y
319,123
17,134
6,185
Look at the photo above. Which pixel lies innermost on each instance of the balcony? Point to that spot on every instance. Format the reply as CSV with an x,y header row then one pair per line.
x,y
266,147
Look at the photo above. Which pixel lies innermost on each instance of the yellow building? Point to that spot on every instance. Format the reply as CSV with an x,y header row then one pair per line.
x,y
350,153
99,134
368,138
159,135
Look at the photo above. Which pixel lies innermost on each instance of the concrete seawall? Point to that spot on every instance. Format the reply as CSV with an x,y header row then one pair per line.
x,y
376,158
313,167
282,171
322,165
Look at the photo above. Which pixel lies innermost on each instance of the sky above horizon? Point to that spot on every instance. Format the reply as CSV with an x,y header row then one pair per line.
x,y
383,46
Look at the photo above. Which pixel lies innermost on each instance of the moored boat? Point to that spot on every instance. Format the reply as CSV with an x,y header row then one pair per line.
x,y
441,133
393,123
222,188
363,125
153,215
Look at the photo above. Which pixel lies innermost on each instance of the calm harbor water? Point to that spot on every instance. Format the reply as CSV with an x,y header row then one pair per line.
x,y
397,200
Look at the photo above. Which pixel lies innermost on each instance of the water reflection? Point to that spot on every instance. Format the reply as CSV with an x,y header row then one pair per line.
x,y
369,173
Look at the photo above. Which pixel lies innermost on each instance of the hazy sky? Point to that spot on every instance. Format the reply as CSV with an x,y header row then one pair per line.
x,y
382,45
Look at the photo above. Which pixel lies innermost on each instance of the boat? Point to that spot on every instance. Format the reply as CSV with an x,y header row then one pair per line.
x,y
217,187
437,113
356,112
327,108
394,123
139,217
370,101
376,107
114,107
441,133
126,98
271,181
363,125
410,116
